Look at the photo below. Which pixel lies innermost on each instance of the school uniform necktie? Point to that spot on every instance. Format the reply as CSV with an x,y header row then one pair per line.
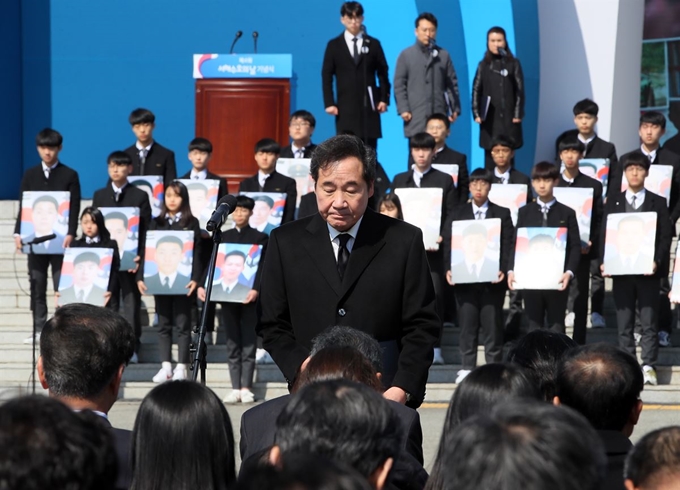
x,y
143,153
355,52
544,210
633,204
90,240
300,153
47,172
263,181
117,195
196,177
343,253
478,214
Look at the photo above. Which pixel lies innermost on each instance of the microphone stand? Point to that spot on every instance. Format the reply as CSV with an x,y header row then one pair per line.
x,y
433,52
198,347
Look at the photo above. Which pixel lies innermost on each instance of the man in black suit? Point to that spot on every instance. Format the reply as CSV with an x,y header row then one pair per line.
x,y
570,155
149,157
168,280
439,126
356,59
300,127
120,193
422,175
84,290
267,179
50,175
479,305
652,129
611,403
640,290
308,206
258,425
547,212
350,265
84,350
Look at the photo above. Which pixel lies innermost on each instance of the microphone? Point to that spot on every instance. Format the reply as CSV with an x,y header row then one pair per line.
x,y
432,45
255,36
502,52
225,207
41,239
236,38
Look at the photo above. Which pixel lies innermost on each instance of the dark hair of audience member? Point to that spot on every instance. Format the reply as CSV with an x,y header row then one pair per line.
x,y
479,393
654,461
539,353
340,336
601,382
179,425
341,147
340,420
338,363
45,445
82,348
390,201
302,472
524,445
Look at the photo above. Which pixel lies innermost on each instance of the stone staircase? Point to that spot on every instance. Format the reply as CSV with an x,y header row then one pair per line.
x,y
16,357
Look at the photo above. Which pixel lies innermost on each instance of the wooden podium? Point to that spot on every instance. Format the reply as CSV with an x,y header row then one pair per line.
x,y
241,99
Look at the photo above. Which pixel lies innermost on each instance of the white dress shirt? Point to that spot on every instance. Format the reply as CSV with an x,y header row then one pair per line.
x,y
505,177
350,44
483,209
333,234
200,175
639,197
649,154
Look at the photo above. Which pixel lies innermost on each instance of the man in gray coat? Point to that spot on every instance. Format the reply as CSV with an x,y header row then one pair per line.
x,y
425,81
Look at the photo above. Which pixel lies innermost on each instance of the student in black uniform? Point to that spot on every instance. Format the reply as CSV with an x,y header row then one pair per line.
x,y
240,319
200,152
545,211
570,154
175,309
149,157
50,175
95,235
652,129
422,175
300,128
119,193
480,305
267,179
640,290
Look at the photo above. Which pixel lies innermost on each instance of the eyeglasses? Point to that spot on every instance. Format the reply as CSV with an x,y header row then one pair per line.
x,y
299,125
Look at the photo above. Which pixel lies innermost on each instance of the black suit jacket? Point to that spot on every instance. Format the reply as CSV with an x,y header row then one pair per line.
x,y
62,178
583,181
159,161
616,446
258,427
386,292
465,212
351,85
616,203
597,148
123,441
663,157
308,206
287,151
559,216
453,157
222,190
276,182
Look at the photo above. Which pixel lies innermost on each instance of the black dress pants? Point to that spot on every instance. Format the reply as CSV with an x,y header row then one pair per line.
x,y
642,291
131,300
174,311
239,322
545,305
38,265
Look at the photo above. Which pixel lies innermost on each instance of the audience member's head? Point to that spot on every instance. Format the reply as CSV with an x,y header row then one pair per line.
x,y
339,336
338,363
654,462
603,383
481,390
182,439
302,472
539,353
45,445
83,352
527,445
342,421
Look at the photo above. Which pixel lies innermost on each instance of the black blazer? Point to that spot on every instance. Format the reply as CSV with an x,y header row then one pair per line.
x,y
159,161
663,157
161,223
351,85
465,212
516,177
276,182
451,157
123,443
583,181
559,216
115,261
62,178
222,190
258,427
432,179
597,148
287,151
616,203
302,294
308,206
616,446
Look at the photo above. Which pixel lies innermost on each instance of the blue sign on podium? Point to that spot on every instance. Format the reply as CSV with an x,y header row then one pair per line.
x,y
243,66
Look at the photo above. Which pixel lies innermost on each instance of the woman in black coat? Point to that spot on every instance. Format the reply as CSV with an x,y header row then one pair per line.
x,y
499,80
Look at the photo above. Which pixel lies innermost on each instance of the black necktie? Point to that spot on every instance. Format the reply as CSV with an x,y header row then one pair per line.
x,y
142,160
632,202
343,253
544,210
355,53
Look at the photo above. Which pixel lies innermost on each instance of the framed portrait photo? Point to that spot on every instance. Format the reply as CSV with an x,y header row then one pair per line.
x,y
422,207
629,244
168,261
43,214
123,225
475,250
539,257
85,275
235,271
